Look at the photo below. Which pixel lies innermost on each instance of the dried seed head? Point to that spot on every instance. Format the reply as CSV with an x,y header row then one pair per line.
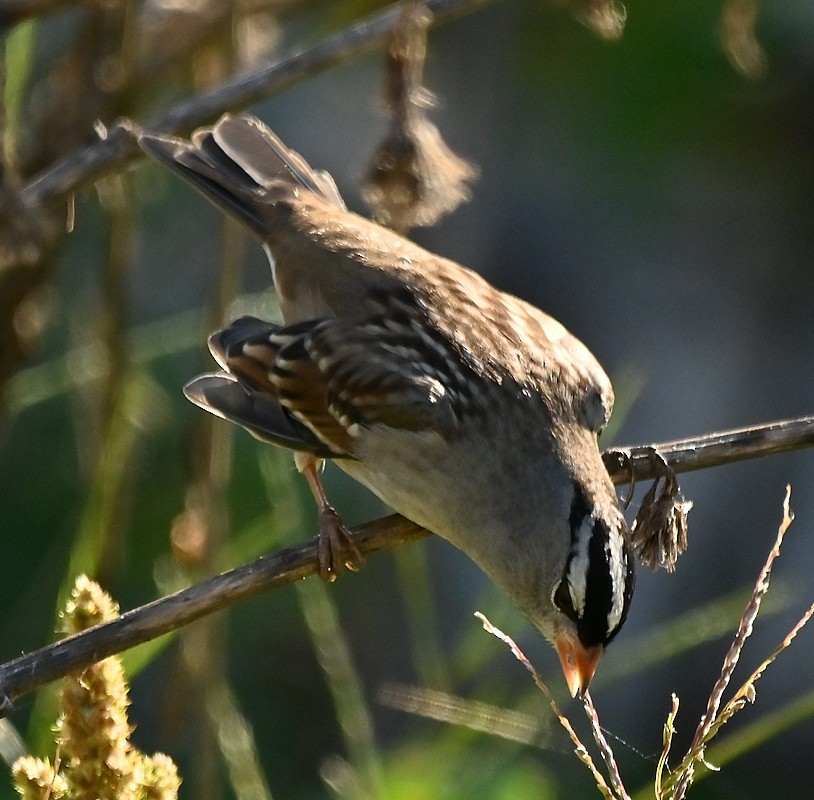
x,y
740,44
414,178
606,18
660,529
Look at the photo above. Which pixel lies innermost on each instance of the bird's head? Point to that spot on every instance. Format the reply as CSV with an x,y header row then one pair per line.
x,y
588,602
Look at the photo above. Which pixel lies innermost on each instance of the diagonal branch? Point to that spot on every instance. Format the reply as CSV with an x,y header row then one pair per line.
x,y
169,613
712,449
117,145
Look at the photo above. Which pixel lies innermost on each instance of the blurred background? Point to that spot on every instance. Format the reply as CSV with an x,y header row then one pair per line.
x,y
654,192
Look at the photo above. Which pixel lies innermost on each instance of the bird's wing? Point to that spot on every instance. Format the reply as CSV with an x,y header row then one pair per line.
x,y
389,371
258,412
331,263
499,338
332,378
270,361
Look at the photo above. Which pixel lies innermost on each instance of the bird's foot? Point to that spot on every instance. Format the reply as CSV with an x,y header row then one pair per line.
x,y
336,549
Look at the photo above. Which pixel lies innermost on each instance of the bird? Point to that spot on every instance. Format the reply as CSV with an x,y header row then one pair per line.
x,y
465,409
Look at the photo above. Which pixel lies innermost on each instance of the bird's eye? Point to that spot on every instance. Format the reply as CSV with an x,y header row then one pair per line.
x,y
562,600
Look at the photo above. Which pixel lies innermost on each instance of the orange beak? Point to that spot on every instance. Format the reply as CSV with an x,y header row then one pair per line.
x,y
578,662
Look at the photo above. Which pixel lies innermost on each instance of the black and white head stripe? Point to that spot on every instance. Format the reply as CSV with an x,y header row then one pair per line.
x,y
598,583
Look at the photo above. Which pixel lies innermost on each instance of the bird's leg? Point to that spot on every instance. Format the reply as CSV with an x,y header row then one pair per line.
x,y
336,547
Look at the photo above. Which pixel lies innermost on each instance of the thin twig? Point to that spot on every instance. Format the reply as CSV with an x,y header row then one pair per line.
x,y
579,748
747,690
604,747
119,144
667,743
686,770
744,629
713,449
169,613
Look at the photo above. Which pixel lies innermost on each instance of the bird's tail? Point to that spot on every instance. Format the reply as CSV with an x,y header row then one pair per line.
x,y
235,163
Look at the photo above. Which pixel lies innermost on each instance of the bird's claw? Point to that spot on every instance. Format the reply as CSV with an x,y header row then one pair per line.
x,y
336,549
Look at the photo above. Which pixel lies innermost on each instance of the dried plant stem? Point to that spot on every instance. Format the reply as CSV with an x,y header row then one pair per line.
x,y
769,725
119,145
686,770
166,614
580,749
747,690
604,747
709,450
169,613
669,730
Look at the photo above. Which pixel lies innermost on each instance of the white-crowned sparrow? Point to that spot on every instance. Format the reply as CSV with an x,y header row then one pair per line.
x,y
465,409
